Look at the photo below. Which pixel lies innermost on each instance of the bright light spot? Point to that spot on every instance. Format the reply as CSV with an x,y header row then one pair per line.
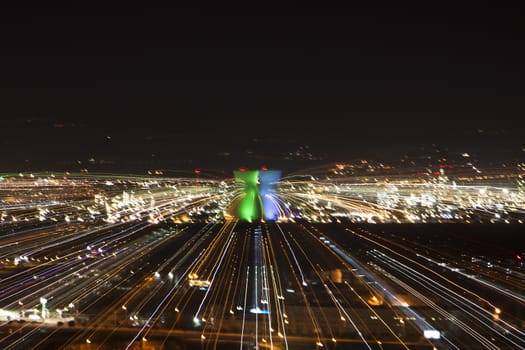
x,y
431,334
257,310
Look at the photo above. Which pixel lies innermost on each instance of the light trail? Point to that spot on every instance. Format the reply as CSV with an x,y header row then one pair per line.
x,y
138,254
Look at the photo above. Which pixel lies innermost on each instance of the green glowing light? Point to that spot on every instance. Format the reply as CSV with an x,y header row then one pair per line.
x,y
248,208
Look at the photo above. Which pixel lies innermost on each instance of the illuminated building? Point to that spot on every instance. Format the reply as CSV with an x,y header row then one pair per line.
x,y
259,194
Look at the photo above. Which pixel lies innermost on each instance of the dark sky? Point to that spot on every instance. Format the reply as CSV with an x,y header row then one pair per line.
x,y
189,87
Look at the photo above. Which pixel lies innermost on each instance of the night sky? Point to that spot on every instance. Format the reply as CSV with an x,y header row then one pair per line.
x,y
179,88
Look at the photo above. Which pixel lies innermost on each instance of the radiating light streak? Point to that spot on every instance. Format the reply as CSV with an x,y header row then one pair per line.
x,y
244,305
230,238
475,306
483,316
303,281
